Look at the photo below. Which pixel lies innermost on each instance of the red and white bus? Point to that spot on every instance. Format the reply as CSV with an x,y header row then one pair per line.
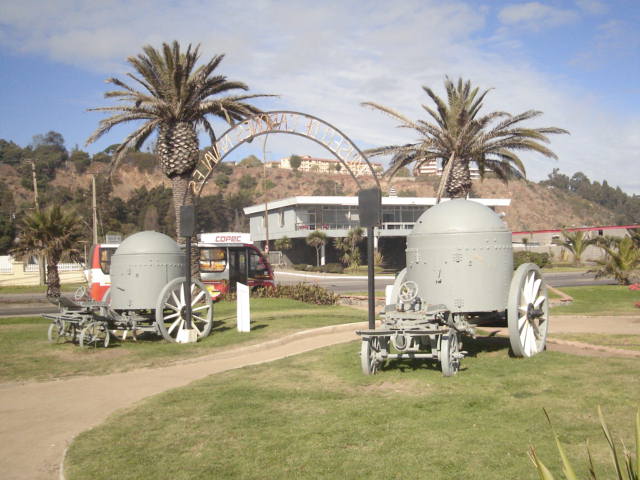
x,y
225,259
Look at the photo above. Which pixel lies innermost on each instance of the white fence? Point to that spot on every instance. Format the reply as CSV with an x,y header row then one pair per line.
x,y
5,264
62,267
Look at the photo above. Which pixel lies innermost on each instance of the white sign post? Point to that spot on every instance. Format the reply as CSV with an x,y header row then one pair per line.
x,y
243,311
387,294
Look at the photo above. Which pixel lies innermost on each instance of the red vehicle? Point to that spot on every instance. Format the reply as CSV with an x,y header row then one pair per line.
x,y
97,271
230,257
225,259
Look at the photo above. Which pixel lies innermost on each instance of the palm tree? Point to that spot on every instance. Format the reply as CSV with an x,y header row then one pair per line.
x,y
175,99
458,135
348,246
50,233
622,262
576,243
317,240
284,243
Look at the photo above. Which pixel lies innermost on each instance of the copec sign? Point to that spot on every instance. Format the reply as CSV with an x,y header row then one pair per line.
x,y
225,238
293,123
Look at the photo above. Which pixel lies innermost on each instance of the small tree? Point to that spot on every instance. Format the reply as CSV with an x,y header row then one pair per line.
x,y
317,240
51,234
250,161
348,246
295,161
576,243
283,244
622,262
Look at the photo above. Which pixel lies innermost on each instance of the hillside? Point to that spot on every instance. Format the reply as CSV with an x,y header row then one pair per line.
x,y
533,206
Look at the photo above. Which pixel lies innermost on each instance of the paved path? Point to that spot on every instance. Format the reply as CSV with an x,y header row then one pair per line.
x,y
39,420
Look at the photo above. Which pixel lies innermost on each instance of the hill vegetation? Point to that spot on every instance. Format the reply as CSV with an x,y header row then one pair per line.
x,y
138,195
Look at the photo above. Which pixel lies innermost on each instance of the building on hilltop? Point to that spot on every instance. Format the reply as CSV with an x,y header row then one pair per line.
x,y
434,167
330,165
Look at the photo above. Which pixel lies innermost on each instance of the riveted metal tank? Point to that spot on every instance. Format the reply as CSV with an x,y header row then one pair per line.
x,y
459,254
140,268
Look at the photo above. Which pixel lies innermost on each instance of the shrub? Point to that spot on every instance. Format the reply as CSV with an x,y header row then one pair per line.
x,y
302,292
540,259
328,268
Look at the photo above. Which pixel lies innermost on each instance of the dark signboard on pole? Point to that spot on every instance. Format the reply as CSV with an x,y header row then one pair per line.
x,y
370,210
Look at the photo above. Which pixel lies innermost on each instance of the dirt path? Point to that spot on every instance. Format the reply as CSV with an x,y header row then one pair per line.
x,y
39,420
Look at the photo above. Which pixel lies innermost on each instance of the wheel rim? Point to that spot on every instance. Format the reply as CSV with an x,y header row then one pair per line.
x,y
94,335
369,354
170,314
449,349
55,333
528,311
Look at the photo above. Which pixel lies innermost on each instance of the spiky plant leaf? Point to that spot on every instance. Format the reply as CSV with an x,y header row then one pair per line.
x,y
612,446
543,471
567,469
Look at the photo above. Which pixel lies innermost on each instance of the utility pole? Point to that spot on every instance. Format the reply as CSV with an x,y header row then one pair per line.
x,y
94,209
35,184
264,190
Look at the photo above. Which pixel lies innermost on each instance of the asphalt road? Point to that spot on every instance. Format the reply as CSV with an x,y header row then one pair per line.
x,y
344,284
35,304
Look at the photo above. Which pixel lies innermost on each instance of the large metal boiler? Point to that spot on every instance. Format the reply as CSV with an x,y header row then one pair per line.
x,y
459,272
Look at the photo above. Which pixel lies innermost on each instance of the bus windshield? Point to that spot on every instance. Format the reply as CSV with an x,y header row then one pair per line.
x,y
213,259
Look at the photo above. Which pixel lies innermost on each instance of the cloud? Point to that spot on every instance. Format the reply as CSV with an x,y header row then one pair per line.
x,y
593,7
615,40
536,16
325,58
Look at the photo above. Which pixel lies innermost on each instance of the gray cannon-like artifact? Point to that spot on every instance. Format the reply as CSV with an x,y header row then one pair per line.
x,y
147,294
459,273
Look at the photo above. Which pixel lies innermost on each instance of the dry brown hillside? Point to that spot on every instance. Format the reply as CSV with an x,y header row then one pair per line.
x,y
533,206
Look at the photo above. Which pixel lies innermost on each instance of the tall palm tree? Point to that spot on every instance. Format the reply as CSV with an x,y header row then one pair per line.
x,y
457,134
317,240
176,98
576,243
622,262
50,233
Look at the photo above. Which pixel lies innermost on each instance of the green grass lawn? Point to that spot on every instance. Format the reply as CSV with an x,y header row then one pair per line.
x,y
599,300
25,353
65,287
316,416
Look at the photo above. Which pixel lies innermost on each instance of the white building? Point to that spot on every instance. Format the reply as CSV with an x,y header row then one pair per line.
x,y
330,165
296,217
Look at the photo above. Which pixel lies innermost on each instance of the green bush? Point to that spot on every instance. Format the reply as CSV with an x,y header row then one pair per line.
x,y
540,259
302,292
328,268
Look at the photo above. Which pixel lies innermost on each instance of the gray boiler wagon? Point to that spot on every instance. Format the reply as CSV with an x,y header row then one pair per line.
x,y
459,273
147,294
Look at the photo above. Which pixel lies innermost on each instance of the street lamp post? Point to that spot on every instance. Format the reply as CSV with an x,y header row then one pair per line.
x,y
264,191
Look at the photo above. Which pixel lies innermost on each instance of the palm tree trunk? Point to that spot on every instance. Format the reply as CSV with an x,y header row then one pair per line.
x,y
459,184
182,195
53,280
446,173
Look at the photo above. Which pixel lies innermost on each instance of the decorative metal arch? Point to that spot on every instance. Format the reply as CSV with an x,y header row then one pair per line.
x,y
294,123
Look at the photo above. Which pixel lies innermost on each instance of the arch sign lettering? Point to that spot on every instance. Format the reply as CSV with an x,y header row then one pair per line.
x,y
294,123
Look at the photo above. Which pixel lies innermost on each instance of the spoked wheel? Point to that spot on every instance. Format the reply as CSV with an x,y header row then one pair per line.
x,y
95,334
370,357
528,311
170,310
60,332
450,353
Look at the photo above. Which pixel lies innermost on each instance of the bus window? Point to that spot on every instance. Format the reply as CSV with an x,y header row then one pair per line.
x,y
105,259
213,259
257,268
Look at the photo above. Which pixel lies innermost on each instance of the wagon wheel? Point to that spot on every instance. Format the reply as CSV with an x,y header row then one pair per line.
x,y
528,311
370,355
95,334
408,291
450,353
60,332
170,309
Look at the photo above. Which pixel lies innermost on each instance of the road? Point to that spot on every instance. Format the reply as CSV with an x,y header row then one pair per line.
x,y
343,283
35,304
